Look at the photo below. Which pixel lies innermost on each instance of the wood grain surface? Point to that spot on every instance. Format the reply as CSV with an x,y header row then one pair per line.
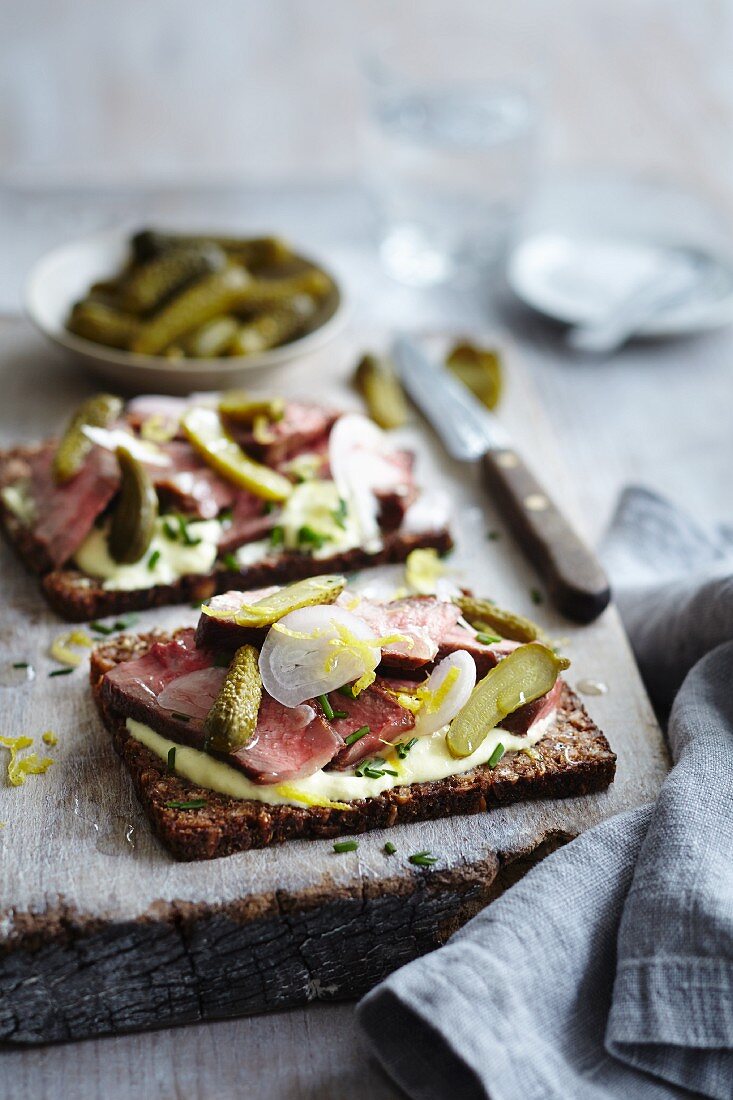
x,y
105,933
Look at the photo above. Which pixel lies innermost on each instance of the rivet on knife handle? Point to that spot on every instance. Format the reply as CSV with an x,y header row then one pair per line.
x,y
575,580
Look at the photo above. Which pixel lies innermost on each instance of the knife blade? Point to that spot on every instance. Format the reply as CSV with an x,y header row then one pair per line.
x,y
470,432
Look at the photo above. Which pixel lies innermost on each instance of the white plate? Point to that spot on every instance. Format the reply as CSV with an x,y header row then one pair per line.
x,y
578,278
64,275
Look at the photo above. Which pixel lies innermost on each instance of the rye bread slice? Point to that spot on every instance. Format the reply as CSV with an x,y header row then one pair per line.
x,y
573,759
77,597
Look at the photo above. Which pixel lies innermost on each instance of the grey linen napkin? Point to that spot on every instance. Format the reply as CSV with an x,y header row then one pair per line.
x,y
608,970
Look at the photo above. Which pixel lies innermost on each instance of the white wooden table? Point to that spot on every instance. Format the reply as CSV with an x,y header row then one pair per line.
x,y
642,88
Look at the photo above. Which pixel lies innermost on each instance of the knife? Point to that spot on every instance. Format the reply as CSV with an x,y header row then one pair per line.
x,y
574,578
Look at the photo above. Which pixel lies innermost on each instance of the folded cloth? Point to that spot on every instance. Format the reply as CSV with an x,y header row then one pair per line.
x,y
608,970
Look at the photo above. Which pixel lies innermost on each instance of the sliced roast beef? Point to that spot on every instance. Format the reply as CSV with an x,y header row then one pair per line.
x,y
250,520
303,427
395,500
485,656
424,620
190,486
172,688
521,721
374,708
65,514
225,634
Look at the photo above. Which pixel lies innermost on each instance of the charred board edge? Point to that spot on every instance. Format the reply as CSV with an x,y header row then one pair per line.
x,y
64,976
77,597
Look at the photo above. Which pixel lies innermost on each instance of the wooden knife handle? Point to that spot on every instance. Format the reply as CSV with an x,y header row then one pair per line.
x,y
575,580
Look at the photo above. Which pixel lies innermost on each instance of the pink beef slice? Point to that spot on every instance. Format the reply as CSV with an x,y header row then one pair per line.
x,y
424,620
485,656
521,721
188,485
66,513
375,708
171,689
303,427
395,500
225,634
249,521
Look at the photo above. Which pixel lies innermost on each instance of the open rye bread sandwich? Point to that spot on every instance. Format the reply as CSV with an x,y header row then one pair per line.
x,y
169,500
314,711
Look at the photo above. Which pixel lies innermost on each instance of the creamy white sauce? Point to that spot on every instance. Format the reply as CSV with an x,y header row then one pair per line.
x,y
315,504
427,761
174,558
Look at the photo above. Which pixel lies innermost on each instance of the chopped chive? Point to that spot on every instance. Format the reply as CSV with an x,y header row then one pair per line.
x,y
373,769
403,747
536,595
340,714
20,664
194,804
277,536
492,536
496,755
345,845
170,530
196,604
128,620
347,691
309,537
153,559
327,708
389,848
230,561
226,516
339,514
101,628
356,735
223,660
61,672
487,639
180,716
171,759
423,859
269,507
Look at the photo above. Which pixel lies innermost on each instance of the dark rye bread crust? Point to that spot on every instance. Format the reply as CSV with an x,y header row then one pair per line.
x,y
78,598
574,759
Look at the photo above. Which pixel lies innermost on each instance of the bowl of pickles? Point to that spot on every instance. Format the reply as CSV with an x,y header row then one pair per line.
x,y
161,311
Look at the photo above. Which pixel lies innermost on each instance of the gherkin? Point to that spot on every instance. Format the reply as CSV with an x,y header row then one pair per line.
x,y
232,720
96,319
379,386
484,615
98,412
198,303
133,520
150,284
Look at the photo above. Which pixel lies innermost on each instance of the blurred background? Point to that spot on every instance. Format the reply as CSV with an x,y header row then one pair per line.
x,y
329,122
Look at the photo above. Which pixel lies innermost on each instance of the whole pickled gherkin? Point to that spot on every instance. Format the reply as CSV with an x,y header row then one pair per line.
x,y
136,511
264,294
97,320
323,589
238,405
379,386
485,616
212,339
254,252
97,412
232,720
196,304
269,330
150,284
523,676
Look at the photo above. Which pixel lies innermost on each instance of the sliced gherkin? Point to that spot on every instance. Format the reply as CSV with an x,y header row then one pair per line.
x,y
479,369
98,412
379,386
133,520
523,676
232,720
205,432
205,299
485,616
97,320
308,593
240,406
149,284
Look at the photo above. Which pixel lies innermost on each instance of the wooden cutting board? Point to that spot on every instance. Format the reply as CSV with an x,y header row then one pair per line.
x,y
102,932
